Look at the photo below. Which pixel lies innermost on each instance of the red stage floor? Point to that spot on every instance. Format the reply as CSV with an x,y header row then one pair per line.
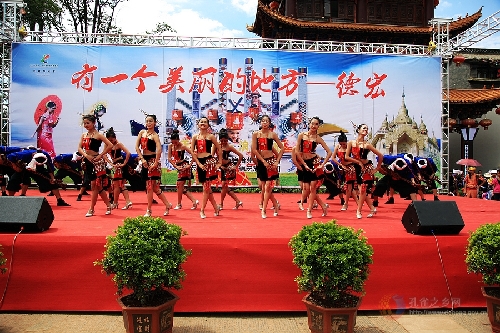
x,y
241,262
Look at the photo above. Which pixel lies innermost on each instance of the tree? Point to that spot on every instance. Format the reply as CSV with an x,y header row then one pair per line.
x,y
43,15
161,28
91,16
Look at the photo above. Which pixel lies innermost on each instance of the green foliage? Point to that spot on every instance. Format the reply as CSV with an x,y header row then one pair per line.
x,y
145,255
483,253
160,29
333,259
3,261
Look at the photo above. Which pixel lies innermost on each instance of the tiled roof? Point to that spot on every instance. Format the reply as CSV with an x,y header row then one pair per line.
x,y
474,96
455,26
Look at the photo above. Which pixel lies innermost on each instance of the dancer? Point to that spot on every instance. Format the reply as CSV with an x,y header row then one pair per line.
x,y
119,169
357,152
176,152
348,170
307,143
228,169
398,176
267,161
95,165
45,127
148,147
204,144
33,164
68,166
427,174
332,182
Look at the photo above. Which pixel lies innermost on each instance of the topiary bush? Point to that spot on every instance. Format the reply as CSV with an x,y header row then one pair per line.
x,y
334,263
145,256
483,253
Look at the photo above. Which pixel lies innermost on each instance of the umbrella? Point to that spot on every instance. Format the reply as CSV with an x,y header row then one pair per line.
x,y
326,128
42,107
468,162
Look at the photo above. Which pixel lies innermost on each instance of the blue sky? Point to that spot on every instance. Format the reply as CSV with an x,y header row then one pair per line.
x,y
228,18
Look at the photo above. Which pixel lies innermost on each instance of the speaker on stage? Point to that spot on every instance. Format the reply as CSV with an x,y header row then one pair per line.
x,y
438,217
31,213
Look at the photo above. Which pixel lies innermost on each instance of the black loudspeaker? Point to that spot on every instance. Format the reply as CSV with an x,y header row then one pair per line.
x,y
428,217
31,213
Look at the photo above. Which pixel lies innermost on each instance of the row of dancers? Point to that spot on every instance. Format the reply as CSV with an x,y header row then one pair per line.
x,y
211,156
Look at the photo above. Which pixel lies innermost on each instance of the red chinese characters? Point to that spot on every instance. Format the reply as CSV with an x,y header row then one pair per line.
x,y
346,84
84,78
373,86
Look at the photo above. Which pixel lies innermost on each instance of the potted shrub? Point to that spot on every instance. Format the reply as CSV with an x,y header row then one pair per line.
x,y
145,256
483,257
334,263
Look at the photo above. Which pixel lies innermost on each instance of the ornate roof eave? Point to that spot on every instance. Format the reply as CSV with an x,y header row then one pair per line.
x,y
263,11
474,96
472,103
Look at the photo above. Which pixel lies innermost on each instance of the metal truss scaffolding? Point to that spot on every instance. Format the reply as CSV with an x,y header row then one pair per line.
x,y
9,26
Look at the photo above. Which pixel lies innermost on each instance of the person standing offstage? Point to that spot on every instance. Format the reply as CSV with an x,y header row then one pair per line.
x,y
228,169
204,144
95,165
44,129
357,152
495,183
267,161
347,169
119,169
176,152
471,183
311,164
148,147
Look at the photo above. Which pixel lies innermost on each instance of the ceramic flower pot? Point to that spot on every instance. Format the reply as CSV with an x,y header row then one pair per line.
x,y
330,320
493,307
158,319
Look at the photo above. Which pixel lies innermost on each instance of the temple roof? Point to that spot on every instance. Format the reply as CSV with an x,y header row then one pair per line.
x,y
472,103
474,96
265,14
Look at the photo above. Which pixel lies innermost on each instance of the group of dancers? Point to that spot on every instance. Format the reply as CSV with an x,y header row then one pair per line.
x,y
349,162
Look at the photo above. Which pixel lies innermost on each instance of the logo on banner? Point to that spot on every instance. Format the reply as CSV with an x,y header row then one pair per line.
x,y
44,68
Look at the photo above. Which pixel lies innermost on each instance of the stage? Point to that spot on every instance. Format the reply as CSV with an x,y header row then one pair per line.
x,y
240,262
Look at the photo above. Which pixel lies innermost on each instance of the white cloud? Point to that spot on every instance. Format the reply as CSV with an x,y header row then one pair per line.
x,y
248,6
134,17
191,24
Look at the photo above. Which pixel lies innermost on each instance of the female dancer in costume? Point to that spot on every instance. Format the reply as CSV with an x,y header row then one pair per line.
x,y
95,165
311,164
228,169
119,169
176,152
267,161
347,169
357,152
148,147
203,144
